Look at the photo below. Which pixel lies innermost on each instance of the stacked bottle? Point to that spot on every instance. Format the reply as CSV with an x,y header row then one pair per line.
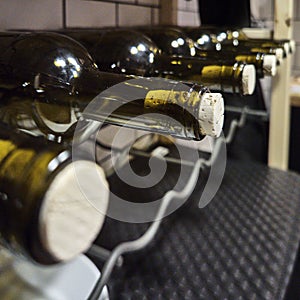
x,y
225,40
52,88
46,215
186,40
131,52
50,93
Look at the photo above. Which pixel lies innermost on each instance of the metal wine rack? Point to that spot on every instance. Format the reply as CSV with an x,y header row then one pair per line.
x,y
115,257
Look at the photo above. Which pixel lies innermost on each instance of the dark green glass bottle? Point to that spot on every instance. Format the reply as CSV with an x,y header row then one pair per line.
x,y
49,82
130,52
216,39
45,215
230,34
175,41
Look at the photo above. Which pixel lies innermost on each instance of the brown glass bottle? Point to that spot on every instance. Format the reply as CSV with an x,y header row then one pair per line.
x,y
62,79
45,213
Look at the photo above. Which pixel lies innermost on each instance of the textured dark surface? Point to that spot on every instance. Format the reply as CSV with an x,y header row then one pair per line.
x,y
241,246
294,162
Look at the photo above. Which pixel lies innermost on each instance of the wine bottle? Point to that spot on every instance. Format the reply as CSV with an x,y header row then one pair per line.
x,y
174,42
167,38
241,35
219,41
130,52
63,75
265,64
45,213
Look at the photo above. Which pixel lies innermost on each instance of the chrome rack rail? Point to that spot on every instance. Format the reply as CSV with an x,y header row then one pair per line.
x,y
114,258
257,114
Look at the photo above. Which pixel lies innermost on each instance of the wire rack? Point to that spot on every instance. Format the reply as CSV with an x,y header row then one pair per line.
x,y
114,257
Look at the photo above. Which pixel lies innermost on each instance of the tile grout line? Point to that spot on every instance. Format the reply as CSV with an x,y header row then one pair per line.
x,y
64,14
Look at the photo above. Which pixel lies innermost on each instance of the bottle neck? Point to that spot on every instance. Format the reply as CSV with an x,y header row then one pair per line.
x,y
233,78
265,64
129,104
256,60
238,78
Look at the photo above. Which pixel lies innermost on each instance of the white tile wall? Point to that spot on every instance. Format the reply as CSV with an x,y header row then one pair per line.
x,y
30,14
134,15
48,14
191,5
188,13
150,2
155,16
187,18
90,14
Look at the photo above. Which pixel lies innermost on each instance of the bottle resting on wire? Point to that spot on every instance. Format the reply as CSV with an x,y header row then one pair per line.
x,y
241,35
176,42
51,208
218,41
60,87
131,52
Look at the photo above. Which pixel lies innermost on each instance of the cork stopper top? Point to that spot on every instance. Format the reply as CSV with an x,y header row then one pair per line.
x,y
248,79
279,54
211,114
270,65
69,222
292,46
286,47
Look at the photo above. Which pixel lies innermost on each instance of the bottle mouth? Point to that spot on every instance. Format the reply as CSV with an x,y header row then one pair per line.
x,y
69,219
292,46
211,114
279,55
269,65
248,79
286,47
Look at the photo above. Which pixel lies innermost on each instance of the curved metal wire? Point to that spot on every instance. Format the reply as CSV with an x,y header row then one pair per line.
x,y
148,236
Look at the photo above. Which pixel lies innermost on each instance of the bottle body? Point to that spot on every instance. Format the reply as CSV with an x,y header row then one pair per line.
x,y
119,51
40,211
172,41
68,80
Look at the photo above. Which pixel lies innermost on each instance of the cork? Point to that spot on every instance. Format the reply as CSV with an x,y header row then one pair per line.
x,y
68,220
292,46
279,54
211,114
270,65
248,79
286,47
